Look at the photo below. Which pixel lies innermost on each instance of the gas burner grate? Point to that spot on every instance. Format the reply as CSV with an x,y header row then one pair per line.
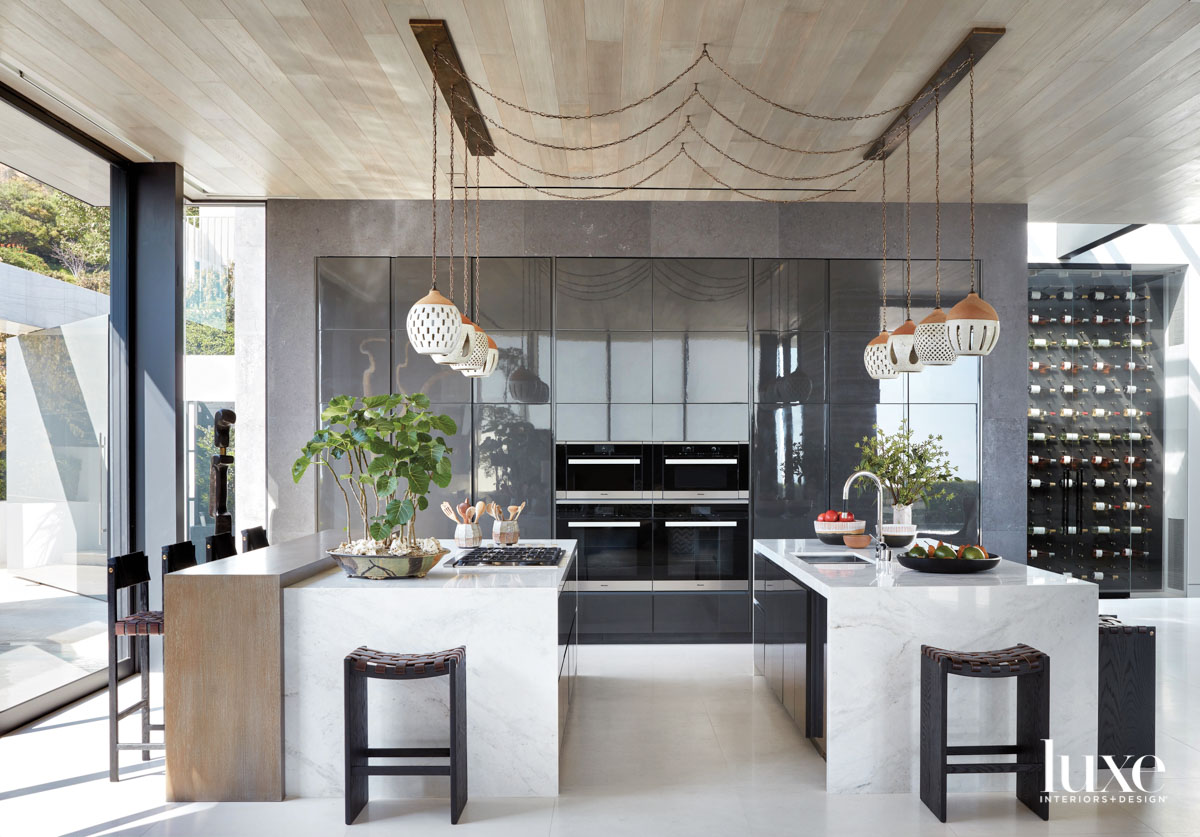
x,y
510,556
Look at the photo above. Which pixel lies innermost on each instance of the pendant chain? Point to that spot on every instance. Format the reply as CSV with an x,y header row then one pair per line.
x,y
478,265
452,204
883,206
908,222
433,201
466,253
937,202
971,74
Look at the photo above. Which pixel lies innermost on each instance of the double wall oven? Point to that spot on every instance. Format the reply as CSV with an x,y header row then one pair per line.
x,y
656,517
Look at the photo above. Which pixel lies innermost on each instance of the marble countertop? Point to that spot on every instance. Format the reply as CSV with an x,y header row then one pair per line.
x,y
828,579
444,576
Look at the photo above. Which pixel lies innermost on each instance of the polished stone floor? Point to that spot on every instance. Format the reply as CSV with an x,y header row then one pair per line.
x,y
663,740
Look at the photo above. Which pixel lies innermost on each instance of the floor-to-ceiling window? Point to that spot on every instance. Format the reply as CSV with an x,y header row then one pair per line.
x,y
54,408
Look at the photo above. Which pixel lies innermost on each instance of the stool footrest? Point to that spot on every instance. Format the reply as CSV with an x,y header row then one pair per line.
x,y
146,746
996,767
984,750
407,752
129,710
402,770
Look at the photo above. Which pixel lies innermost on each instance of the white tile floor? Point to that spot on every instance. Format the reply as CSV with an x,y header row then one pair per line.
x,y
663,740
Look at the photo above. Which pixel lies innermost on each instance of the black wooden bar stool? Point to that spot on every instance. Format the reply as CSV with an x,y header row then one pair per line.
x,y
130,572
1032,669
255,538
362,663
219,546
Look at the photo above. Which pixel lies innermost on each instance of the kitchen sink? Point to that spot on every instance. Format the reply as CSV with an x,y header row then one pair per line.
x,y
830,558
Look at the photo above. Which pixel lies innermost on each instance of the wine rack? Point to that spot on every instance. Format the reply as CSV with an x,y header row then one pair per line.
x,y
1095,451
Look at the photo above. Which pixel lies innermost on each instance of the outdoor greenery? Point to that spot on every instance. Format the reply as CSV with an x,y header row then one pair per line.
x,y
201,339
369,445
52,233
910,470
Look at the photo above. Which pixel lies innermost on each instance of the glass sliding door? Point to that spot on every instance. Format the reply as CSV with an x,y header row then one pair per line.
x,y
54,408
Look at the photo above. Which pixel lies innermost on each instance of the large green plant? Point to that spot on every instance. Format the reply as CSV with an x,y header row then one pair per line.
x,y
382,451
910,470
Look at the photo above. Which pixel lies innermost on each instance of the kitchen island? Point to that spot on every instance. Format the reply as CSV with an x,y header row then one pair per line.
x,y
840,645
254,672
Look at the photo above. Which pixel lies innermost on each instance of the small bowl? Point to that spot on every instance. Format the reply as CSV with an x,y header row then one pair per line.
x,y
857,541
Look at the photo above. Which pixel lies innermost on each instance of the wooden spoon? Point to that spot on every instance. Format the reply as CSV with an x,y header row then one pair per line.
x,y
512,512
462,510
520,509
479,510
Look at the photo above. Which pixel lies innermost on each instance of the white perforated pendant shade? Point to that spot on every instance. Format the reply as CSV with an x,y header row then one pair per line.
x,y
433,324
489,364
902,350
875,358
462,346
475,360
974,326
933,344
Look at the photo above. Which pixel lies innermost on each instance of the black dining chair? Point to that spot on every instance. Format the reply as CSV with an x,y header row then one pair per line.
x,y
255,538
219,546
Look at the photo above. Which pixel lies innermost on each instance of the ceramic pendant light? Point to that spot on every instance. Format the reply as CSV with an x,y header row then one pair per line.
x,y
434,324
475,352
491,358
462,347
973,323
933,344
902,350
877,360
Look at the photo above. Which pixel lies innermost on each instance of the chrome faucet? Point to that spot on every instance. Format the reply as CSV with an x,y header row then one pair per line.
x,y
877,538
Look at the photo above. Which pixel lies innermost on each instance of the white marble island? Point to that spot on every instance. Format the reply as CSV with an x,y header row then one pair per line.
x,y
520,666
868,725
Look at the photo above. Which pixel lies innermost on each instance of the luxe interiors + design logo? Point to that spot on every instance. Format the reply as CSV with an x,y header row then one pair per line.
x,y
1129,779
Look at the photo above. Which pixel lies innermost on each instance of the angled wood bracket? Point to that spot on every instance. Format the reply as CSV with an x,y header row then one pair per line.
x,y
435,35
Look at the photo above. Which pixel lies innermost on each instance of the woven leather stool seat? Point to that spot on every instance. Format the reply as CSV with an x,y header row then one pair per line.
x,y
374,663
142,623
1005,662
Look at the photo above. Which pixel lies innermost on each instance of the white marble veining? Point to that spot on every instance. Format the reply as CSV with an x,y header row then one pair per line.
x,y
508,621
875,631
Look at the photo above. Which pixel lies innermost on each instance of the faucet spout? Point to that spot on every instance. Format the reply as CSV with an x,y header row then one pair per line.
x,y
879,545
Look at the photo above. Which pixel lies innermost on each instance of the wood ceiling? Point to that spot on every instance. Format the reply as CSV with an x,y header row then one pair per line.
x,y
1087,110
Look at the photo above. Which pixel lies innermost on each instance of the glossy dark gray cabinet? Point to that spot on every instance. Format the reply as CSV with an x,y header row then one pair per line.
x,y
791,295
606,294
514,456
615,616
789,367
701,294
413,373
515,294
788,469
522,373
354,363
702,616
708,367
779,635
600,367
354,292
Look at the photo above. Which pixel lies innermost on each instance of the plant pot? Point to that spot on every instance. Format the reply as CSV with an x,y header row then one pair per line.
x,y
380,567
505,532
467,535
902,514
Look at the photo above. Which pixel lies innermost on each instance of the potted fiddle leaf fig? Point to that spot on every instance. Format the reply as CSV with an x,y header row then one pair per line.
x,y
383,453
911,470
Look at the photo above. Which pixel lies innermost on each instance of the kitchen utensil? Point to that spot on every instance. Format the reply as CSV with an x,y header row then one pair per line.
x,y
462,510
479,510
469,515
520,509
448,510
512,512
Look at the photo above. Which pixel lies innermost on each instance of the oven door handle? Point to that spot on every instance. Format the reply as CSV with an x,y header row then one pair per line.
x,y
701,524
601,524
700,462
604,461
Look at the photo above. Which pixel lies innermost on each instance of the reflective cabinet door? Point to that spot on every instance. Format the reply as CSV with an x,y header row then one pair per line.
x,y
701,294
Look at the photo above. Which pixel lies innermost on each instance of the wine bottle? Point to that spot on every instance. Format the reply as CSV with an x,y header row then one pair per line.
x,y
1101,367
1138,530
1132,412
1037,437
1102,462
1038,319
1135,462
1103,438
1130,319
1068,461
1099,296
1039,367
1134,366
1072,438
1041,530
1069,390
1100,389
1131,389
1135,484
1036,484
1037,389
1134,553
1071,342
1039,295
1068,295
1129,505
1101,507
1038,413
1100,412
1068,319
1100,484
1041,343
1136,343
1101,553
1100,319
1136,437
1038,462
1072,530
1040,553
1069,366
1068,412
1102,343
1105,530
1067,483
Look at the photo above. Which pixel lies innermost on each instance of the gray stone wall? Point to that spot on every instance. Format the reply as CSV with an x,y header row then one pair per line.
x,y
300,231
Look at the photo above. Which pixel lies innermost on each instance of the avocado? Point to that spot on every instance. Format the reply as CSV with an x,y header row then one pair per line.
x,y
975,553
944,551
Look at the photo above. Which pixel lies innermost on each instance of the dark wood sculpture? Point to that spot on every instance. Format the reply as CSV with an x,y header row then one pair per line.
x,y
218,479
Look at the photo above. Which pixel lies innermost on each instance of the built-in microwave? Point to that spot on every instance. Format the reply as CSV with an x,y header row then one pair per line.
x,y
603,471
702,470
